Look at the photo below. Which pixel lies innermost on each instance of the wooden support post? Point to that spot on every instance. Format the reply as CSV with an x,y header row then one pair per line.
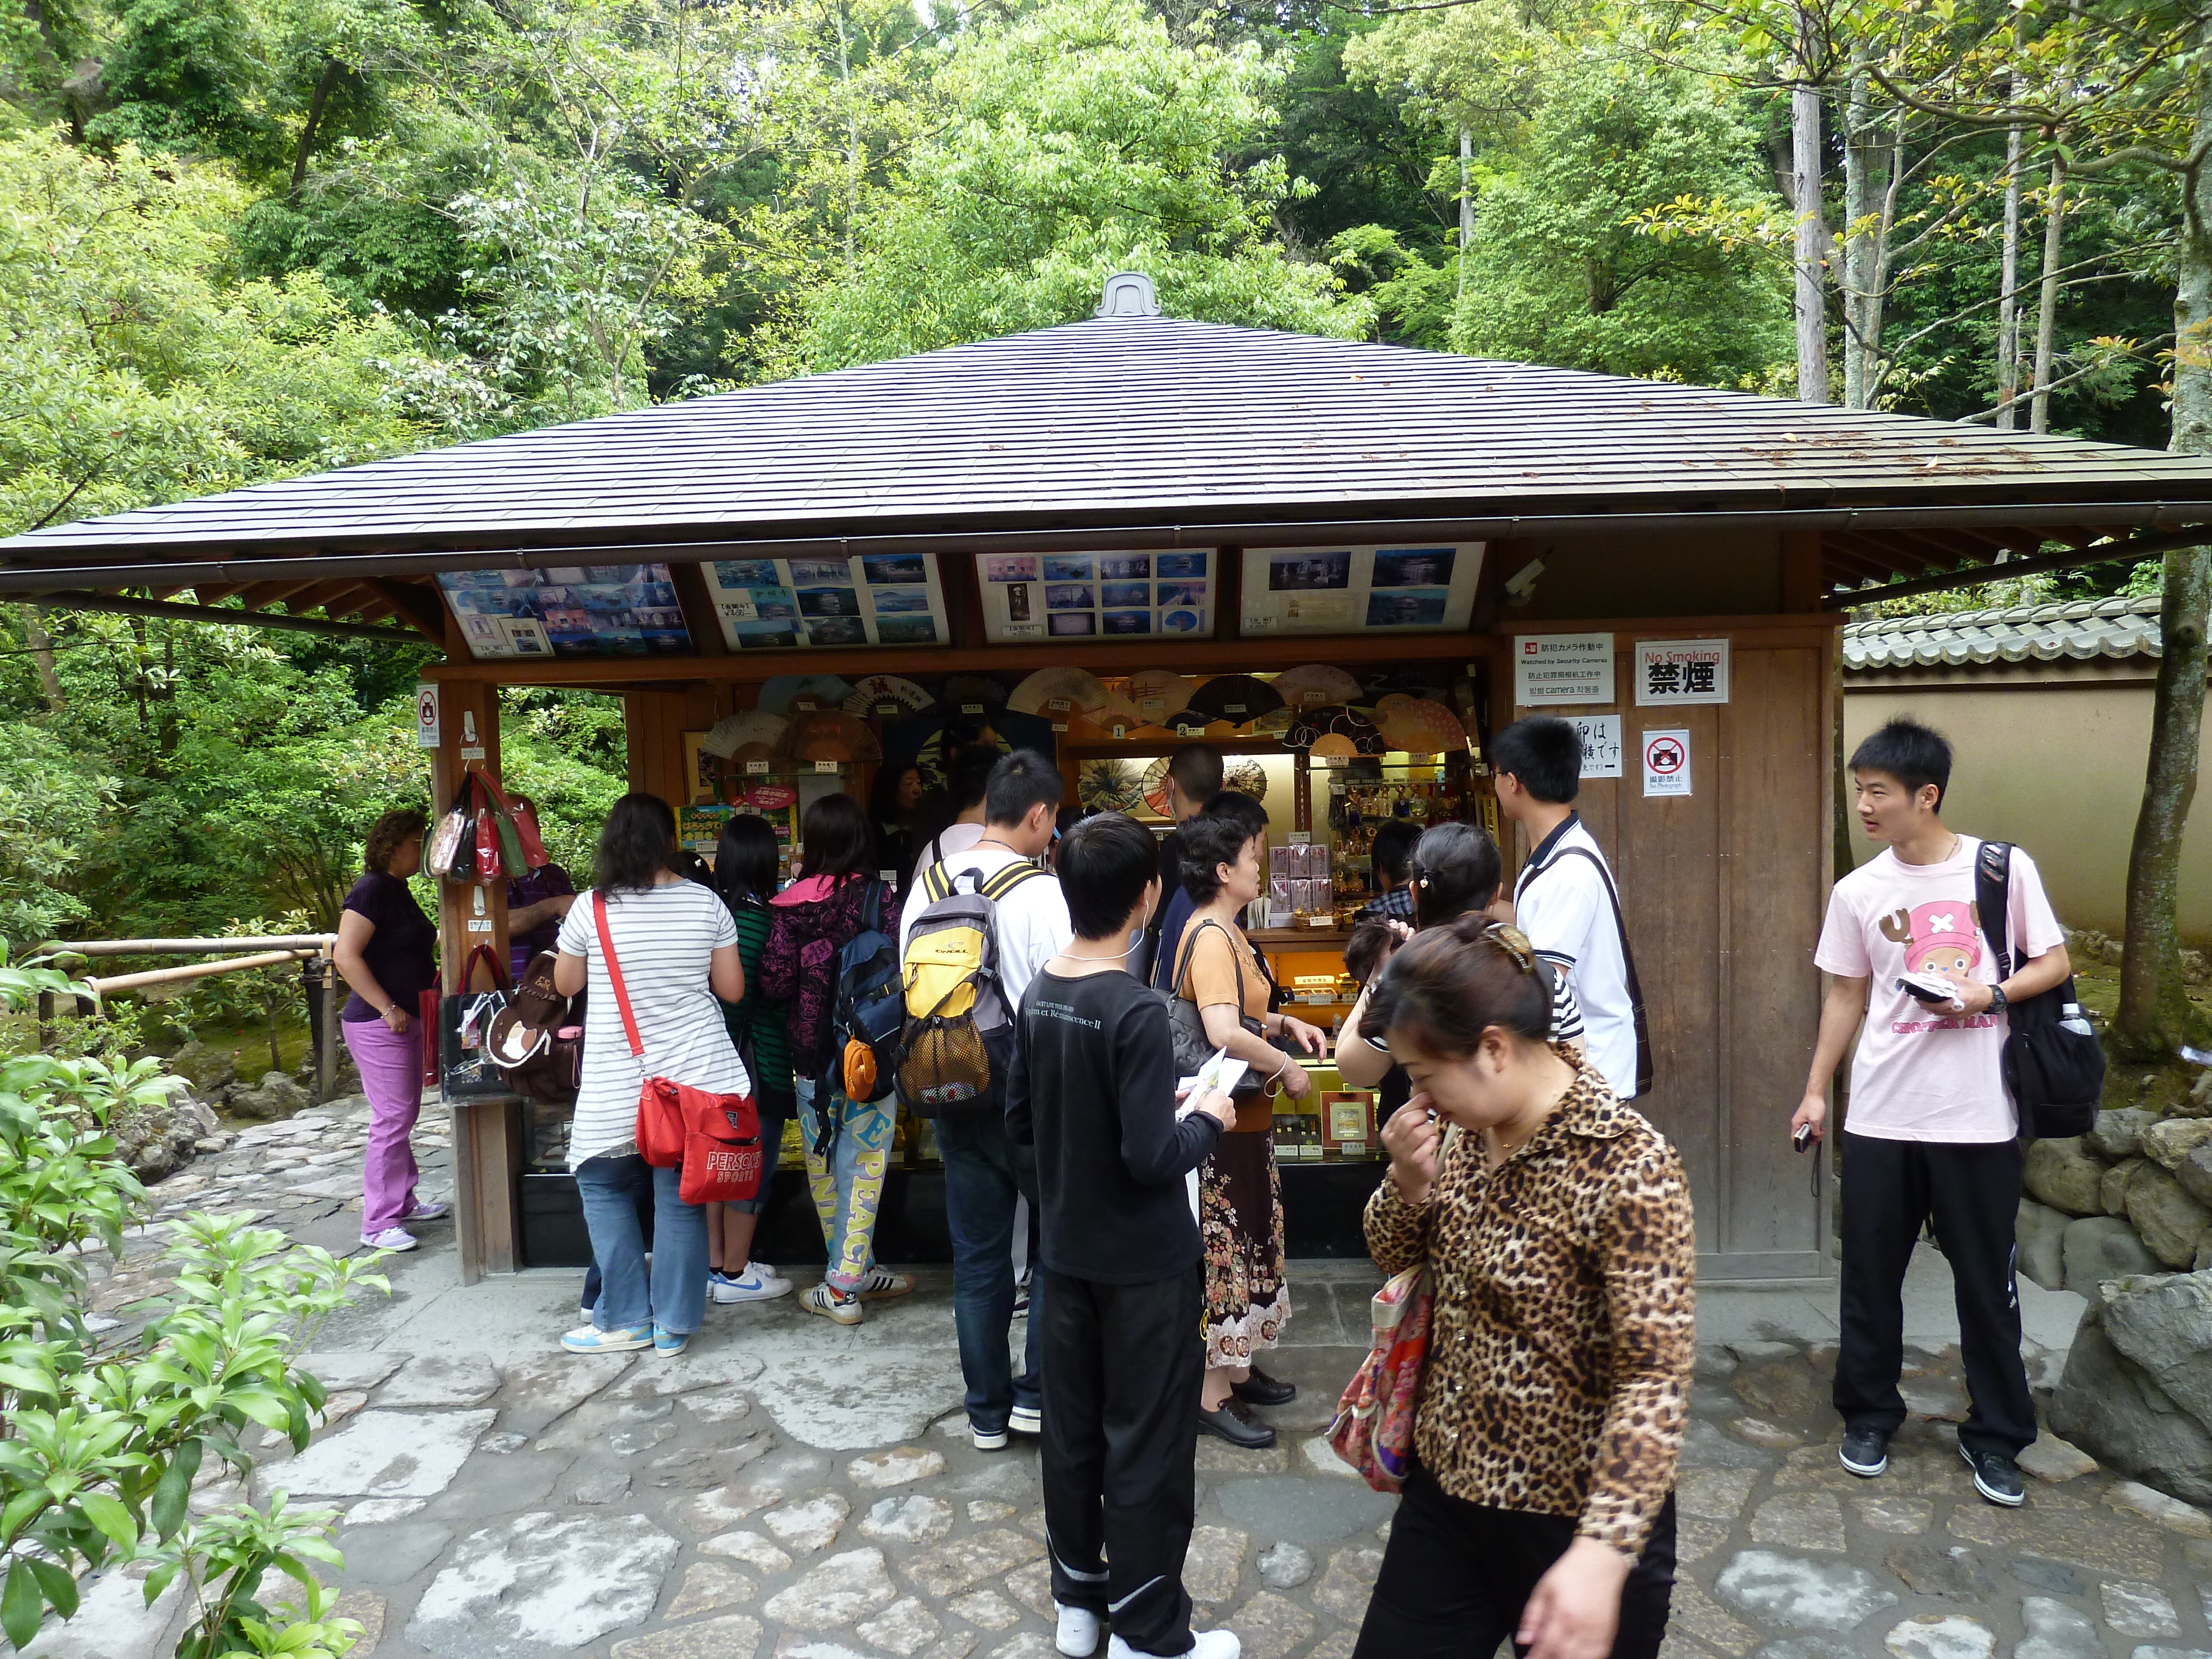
x,y
326,1059
1802,574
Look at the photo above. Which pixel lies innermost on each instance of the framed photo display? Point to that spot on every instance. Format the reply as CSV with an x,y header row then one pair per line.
x,y
1030,597
873,599
1403,589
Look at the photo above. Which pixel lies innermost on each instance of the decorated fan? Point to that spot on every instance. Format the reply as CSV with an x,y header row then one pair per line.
x,y
1159,695
1058,693
1315,682
1247,777
787,694
756,730
886,696
835,737
1420,726
1155,786
973,694
1109,786
1235,698
1336,730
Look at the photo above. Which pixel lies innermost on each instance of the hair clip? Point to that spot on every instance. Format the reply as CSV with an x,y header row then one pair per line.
x,y
1514,944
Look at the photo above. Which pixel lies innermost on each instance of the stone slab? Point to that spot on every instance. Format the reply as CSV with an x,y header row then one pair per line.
x,y
540,1584
387,1454
1797,1594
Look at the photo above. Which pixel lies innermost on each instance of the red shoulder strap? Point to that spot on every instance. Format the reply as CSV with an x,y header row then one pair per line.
x,y
614,974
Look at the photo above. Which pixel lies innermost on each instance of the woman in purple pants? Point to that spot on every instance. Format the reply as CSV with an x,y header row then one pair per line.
x,y
387,951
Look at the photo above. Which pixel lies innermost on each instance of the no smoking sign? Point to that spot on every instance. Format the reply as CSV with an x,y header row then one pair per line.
x,y
1666,762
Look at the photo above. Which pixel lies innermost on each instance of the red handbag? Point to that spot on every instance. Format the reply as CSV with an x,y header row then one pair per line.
x,y
528,848
714,1138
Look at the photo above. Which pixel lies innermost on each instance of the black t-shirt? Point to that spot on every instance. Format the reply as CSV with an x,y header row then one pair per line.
x,y
1092,1086
402,951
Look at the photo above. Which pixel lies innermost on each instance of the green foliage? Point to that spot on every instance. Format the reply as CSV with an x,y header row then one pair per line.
x,y
50,809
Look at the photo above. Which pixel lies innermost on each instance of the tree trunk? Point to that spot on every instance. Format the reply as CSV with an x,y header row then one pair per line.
x,y
2009,289
2154,1014
1812,246
2047,315
42,655
1465,203
1862,238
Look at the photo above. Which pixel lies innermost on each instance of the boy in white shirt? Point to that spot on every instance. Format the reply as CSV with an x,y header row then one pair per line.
x,y
1933,1132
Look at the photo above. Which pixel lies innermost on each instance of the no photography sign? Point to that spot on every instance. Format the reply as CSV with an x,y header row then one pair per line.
x,y
1666,762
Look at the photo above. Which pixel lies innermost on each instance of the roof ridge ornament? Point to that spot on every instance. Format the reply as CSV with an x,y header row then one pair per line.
x,y
1128,294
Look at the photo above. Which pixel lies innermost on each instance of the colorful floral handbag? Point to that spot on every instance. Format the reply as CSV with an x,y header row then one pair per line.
x,y
1374,1426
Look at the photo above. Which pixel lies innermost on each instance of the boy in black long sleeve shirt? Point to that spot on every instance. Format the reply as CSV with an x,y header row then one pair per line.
x,y
1092,1087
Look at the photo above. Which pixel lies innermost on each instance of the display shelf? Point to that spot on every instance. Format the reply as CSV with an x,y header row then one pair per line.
x,y
1291,938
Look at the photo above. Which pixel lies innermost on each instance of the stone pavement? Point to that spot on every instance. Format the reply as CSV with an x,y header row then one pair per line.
x,y
794,1489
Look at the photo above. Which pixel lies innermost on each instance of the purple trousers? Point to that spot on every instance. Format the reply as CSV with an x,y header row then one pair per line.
x,y
391,1067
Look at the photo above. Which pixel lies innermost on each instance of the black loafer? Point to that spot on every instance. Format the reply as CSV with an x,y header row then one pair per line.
x,y
1261,1389
1238,1431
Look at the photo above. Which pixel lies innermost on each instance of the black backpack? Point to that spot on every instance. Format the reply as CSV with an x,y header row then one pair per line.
x,y
2053,1063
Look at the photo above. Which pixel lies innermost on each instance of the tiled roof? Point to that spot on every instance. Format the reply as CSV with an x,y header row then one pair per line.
x,y
2039,633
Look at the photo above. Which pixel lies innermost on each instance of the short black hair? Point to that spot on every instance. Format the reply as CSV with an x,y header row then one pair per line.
x,y
636,843
745,859
1914,755
1372,942
1105,862
1455,868
1545,753
1394,845
1196,769
1215,837
389,834
839,840
1238,808
968,776
1019,783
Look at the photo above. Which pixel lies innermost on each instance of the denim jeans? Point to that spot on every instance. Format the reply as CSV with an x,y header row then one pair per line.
x,y
847,1183
675,1299
984,1173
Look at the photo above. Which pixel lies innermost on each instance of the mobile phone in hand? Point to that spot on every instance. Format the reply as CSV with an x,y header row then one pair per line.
x,y
1930,988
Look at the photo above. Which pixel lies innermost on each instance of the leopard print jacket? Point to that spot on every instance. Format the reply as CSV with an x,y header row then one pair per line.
x,y
1564,1324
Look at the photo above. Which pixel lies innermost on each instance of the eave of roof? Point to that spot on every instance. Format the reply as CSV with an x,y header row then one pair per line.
x,y
2115,628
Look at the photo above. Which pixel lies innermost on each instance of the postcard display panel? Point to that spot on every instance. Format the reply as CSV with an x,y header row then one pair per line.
x,y
1358,590
568,610
877,599
1030,597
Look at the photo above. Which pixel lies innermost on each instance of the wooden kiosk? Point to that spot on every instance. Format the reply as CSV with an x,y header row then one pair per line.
x,y
1665,563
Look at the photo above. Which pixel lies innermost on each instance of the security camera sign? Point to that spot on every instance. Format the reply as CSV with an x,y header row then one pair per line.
x,y
1666,762
1559,668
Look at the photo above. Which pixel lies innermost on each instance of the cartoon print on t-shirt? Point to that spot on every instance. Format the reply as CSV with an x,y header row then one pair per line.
x,y
1943,936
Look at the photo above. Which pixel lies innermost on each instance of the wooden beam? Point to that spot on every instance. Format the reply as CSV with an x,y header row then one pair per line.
x,y
697,604
418,603
1801,583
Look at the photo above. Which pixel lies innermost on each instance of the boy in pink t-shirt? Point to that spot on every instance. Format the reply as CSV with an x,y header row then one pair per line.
x,y
1933,1132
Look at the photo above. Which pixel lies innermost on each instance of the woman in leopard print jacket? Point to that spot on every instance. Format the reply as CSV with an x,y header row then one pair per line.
x,y
1557,1224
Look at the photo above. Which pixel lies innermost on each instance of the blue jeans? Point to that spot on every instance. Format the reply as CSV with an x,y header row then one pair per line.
x,y
675,1299
984,1173
847,1183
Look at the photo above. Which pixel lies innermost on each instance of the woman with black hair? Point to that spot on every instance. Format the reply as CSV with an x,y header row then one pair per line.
x,y
848,1142
676,949
1555,1225
892,805
745,865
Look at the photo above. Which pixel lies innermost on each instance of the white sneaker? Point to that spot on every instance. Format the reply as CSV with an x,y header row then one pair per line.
x,y
427,1210
1208,1644
987,1440
391,1238
757,1283
1026,1420
881,1282
1077,1633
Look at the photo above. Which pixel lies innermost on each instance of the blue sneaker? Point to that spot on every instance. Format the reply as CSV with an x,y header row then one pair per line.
x,y
590,1339
670,1342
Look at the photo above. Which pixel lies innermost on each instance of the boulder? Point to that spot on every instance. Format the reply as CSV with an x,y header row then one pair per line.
x,y
2167,1143
197,1113
2101,1247
2117,1181
2162,1323
209,1071
2194,1172
2060,1174
2118,1134
155,1144
2167,1220
2112,1408
2041,1231
275,1096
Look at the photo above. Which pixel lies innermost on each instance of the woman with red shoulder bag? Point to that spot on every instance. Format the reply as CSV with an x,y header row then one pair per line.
x,y
675,948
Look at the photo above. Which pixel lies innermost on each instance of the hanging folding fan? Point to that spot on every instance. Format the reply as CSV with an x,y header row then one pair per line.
x,y
886,696
785,693
756,728
1336,730
1235,698
833,737
1315,682
1159,695
1420,726
1059,692
1247,777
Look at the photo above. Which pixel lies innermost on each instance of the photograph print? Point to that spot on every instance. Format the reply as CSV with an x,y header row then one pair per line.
x,y
1069,596
886,569
997,569
906,630
1124,593
1419,607
1067,568
902,599
1413,567
1070,622
1306,573
836,630
828,602
1179,565
821,573
746,573
1124,567
1128,621
1181,592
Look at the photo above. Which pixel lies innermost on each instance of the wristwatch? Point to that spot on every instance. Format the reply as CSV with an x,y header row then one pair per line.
x,y
1997,1003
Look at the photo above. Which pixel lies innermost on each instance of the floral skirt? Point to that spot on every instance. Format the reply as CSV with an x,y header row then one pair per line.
x,y
1240,1213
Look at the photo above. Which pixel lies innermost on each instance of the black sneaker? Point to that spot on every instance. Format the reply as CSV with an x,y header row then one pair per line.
x,y
1238,1429
1997,1477
1865,1452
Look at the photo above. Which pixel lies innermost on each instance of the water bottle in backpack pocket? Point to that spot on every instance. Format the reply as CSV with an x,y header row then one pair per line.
x,y
957,1035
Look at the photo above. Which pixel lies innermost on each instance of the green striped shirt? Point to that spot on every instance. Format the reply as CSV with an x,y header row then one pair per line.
x,y
771,1022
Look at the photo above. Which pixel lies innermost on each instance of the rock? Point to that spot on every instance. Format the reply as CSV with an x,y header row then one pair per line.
x,y
2171,1513
540,1392
380,1454
914,1519
2133,1608
852,1400
1937,1398
1929,1570
2117,1179
812,1525
154,1144
1906,1517
2053,1576
1798,1594
601,1486
2163,1325
503,1444
2109,1407
1715,1494
750,1548
543,1582
209,1071
1285,1566
965,1562
2052,1460
724,1507
843,1588
986,1609
1761,1433
1320,1457
1805,1520
112,1621
732,1637
2167,1143
2056,1631
390,1555
2167,1220
1779,1388
1806,1647
351,1369
2061,1174
1214,1563
984,1511
1941,1635
898,1467
1031,1586
2194,1172
1704,1447
905,1628
708,1585
1343,1588
441,1379
376,1511
1271,1627
275,1096
2099,1247
2119,1135
718,1405
2039,1232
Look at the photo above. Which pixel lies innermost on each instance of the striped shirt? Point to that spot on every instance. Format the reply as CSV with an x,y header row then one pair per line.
x,y
666,938
770,1019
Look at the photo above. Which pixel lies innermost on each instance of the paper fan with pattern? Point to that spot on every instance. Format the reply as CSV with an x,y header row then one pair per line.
x,y
783,693
1235,698
1109,786
1336,730
1159,694
833,737
1420,726
886,696
1059,692
973,694
1315,682
1155,786
756,729
1247,777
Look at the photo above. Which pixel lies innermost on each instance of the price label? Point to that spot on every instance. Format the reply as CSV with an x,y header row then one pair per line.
x,y
472,754
756,768
1301,837
825,766
971,708
476,927
1336,761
